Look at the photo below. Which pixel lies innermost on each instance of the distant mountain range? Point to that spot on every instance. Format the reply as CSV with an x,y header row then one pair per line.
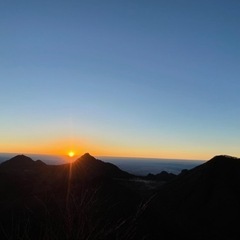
x,y
48,159
137,166
92,199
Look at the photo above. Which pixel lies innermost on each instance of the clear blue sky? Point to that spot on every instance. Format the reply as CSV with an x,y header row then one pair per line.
x,y
126,78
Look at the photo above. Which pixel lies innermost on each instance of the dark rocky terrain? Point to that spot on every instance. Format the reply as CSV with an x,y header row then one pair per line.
x,y
203,203
91,199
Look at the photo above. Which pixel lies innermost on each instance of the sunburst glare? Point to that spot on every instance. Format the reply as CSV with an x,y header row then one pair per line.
x,y
71,154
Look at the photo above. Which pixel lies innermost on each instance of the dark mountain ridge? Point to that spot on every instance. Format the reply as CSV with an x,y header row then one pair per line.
x,y
21,161
91,199
88,166
202,203
63,201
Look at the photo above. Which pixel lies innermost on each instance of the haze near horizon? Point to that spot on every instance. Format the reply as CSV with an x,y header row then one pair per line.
x,y
131,78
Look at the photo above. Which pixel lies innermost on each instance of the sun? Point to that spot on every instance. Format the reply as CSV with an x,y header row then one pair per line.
x,y
71,154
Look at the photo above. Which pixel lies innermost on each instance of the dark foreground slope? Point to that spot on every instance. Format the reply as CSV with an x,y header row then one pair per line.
x,y
82,200
90,199
203,203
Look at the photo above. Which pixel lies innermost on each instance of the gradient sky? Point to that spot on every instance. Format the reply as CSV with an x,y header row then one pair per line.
x,y
120,78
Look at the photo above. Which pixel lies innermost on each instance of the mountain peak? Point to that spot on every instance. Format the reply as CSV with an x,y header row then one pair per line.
x,y
19,160
21,156
223,157
223,161
87,157
91,167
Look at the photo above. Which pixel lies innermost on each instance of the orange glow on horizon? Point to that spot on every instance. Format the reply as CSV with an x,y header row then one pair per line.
x,y
79,146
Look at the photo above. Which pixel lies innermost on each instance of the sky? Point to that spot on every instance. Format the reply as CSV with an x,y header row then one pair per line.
x,y
133,78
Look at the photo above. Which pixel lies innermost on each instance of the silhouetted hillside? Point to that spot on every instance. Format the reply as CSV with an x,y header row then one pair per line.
x,y
70,201
162,176
91,199
203,203
90,167
21,162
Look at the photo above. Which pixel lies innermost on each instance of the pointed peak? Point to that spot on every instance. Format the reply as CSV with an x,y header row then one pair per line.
x,y
19,160
87,156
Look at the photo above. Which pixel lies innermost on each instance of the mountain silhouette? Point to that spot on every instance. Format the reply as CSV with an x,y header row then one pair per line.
x,y
202,203
21,161
83,198
91,199
90,167
162,176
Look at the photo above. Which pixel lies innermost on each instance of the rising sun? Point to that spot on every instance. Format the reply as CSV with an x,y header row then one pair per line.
x,y
71,154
